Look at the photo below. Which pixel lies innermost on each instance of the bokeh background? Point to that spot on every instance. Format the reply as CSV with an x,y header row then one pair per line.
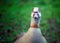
x,y
15,19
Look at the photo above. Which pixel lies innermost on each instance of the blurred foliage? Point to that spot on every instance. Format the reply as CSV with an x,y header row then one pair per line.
x,y
15,18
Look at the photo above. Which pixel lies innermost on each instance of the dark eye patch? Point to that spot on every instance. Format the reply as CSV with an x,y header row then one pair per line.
x,y
35,12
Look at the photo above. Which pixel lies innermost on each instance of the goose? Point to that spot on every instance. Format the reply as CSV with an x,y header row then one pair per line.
x,y
33,35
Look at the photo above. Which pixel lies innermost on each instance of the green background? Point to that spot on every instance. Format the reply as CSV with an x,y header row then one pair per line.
x,y
15,18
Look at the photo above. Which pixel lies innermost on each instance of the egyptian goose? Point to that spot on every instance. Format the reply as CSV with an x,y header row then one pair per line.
x,y
33,35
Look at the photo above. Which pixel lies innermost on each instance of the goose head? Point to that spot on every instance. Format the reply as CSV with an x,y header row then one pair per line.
x,y
36,15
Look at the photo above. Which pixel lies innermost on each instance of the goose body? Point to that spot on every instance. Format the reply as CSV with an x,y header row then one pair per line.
x,y
33,35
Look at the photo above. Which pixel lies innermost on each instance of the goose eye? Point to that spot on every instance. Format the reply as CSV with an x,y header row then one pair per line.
x,y
36,15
